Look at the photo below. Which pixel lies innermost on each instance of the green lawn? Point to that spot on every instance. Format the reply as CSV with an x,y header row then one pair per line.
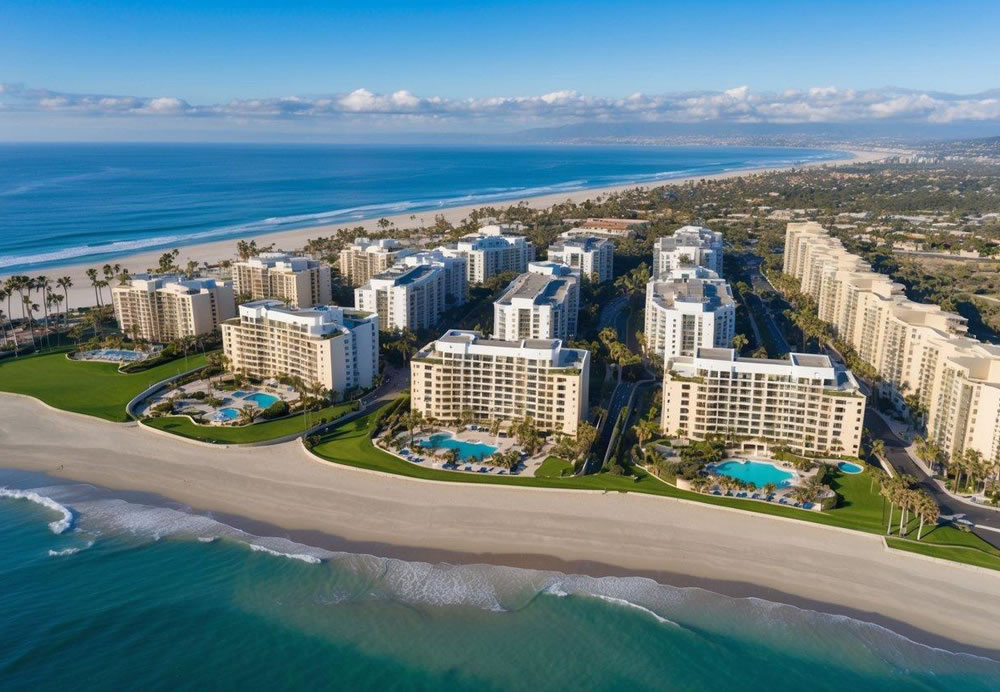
x,y
258,432
96,389
553,467
861,509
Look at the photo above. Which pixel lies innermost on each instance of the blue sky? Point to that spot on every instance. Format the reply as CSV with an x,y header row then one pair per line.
x,y
210,52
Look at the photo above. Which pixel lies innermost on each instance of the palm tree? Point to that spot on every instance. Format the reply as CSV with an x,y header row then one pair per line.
x,y
65,283
29,309
3,325
644,430
769,489
928,511
248,414
44,284
740,341
878,448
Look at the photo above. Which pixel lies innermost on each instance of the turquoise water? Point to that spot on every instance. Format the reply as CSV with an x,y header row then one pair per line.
x,y
848,467
754,472
227,413
131,595
239,393
261,399
466,450
76,203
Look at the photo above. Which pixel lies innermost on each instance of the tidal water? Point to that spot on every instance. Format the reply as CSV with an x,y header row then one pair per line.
x,y
72,203
97,592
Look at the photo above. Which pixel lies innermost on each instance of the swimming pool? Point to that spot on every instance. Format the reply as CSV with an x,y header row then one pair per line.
x,y
261,399
466,450
756,472
848,467
239,393
114,355
226,414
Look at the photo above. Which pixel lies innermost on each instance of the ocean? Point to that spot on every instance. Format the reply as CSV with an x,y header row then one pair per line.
x,y
72,203
103,592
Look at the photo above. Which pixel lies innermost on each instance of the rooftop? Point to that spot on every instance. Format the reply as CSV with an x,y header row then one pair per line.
x,y
540,289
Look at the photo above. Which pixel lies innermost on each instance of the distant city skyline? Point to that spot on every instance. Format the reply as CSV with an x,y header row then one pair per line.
x,y
498,67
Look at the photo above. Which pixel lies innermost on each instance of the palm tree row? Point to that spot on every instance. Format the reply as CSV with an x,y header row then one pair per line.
x,y
24,288
898,490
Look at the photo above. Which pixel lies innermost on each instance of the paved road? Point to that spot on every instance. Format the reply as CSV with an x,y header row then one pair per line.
x,y
760,285
895,452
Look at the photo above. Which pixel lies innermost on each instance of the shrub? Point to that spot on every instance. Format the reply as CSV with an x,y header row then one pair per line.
x,y
200,396
164,407
275,410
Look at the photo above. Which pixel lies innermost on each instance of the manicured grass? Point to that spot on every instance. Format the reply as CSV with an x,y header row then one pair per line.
x,y
553,467
258,432
861,508
96,389
970,555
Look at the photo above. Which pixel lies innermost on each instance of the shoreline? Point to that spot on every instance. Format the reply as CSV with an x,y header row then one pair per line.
x,y
283,490
82,294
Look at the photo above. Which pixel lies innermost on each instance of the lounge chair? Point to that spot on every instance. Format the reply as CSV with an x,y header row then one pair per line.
x,y
782,501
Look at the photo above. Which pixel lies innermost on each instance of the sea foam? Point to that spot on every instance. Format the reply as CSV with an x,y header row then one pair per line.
x,y
58,526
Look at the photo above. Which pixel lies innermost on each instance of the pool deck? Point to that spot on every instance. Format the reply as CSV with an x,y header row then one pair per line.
x,y
195,408
434,458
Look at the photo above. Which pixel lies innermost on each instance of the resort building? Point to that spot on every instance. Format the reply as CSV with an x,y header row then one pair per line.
x,y
916,348
492,250
559,270
405,297
689,245
594,257
364,258
537,306
164,308
463,375
682,316
300,281
607,228
327,345
803,402
455,271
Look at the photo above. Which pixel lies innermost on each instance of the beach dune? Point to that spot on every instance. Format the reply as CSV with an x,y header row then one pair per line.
x,y
677,542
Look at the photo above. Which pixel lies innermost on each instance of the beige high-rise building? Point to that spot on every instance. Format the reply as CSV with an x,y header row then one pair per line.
x,y
365,258
463,373
594,257
301,281
326,344
492,250
164,308
918,349
804,401
607,228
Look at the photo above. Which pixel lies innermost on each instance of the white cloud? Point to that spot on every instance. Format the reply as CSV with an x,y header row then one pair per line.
x,y
738,104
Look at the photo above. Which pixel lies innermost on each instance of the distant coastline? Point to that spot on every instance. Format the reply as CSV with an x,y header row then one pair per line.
x,y
82,295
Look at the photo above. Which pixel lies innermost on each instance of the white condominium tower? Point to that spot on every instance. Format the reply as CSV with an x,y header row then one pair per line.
x,y
559,270
163,308
455,271
918,349
326,345
492,250
405,297
300,281
689,245
536,306
682,316
463,374
364,258
594,257
804,401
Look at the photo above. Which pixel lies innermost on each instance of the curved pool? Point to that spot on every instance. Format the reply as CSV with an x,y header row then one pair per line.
x,y
226,414
757,472
848,467
261,399
466,450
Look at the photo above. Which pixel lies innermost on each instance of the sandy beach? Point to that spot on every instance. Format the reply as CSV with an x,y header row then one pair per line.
x,y
82,295
673,541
